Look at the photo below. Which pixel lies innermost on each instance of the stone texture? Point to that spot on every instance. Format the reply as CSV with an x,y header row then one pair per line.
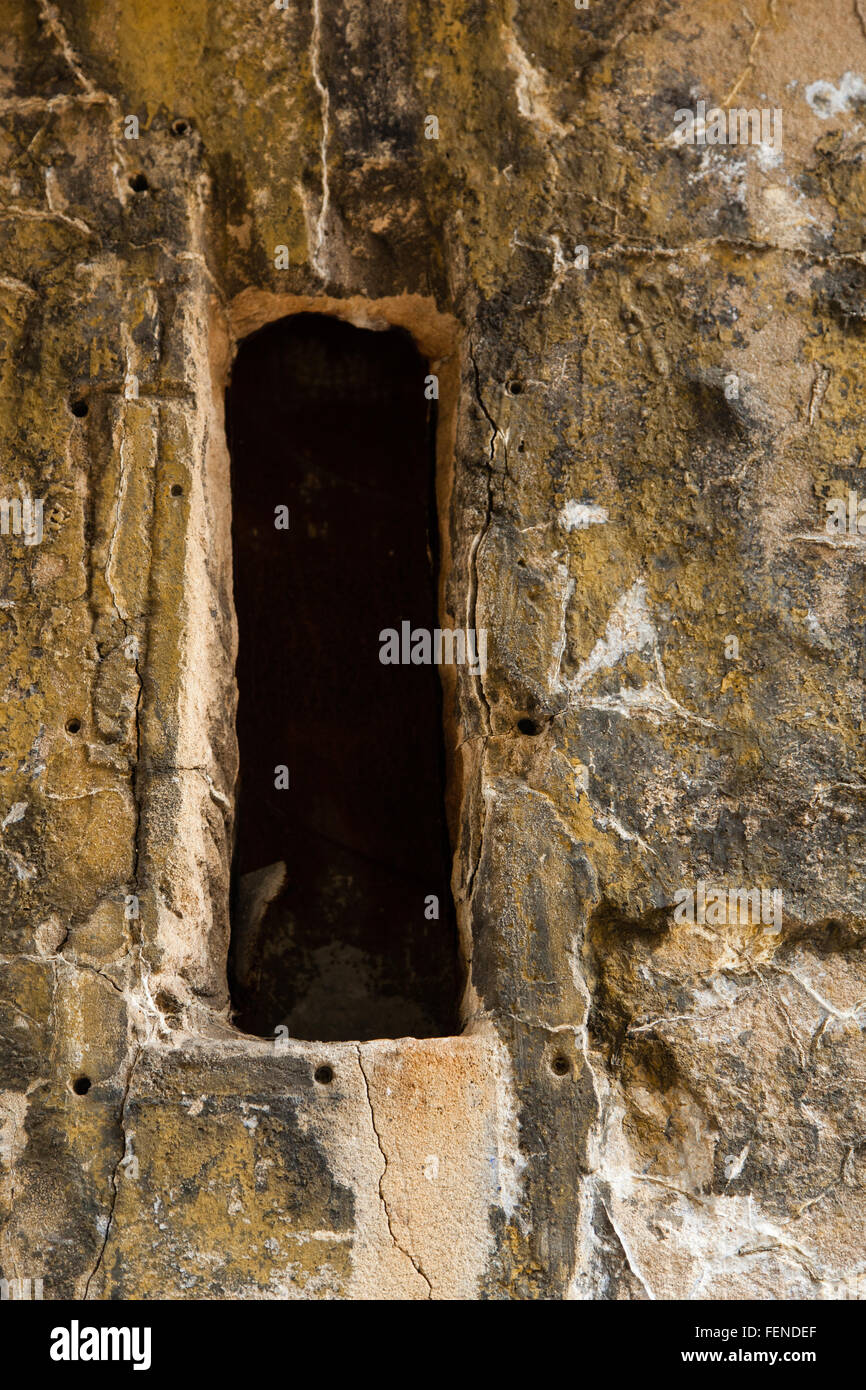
x,y
638,1107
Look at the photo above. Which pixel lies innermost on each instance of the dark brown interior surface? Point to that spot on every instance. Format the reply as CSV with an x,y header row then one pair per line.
x,y
332,422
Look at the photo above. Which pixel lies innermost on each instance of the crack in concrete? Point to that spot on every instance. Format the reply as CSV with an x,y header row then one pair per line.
x,y
494,428
472,621
325,100
43,215
94,969
32,106
732,243
578,1030
416,1264
118,508
50,17
131,643
123,1153
217,796
627,1254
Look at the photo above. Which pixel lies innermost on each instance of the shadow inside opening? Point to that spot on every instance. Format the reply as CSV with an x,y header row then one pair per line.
x,y
342,919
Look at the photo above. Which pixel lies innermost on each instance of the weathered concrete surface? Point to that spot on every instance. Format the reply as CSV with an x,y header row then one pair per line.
x,y
351,1188
640,1107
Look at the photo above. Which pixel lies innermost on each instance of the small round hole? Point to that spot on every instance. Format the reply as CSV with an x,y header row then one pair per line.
x,y
560,1065
73,726
179,127
79,408
138,183
81,1085
324,1075
515,387
529,727
176,490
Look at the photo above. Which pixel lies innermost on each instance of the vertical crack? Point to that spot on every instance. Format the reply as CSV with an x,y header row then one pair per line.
x,y
472,599
478,539
132,649
416,1265
494,428
325,100
116,1169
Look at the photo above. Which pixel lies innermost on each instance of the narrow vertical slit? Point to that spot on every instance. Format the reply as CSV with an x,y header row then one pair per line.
x,y
342,919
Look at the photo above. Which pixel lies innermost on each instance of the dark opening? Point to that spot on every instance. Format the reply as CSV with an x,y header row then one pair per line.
x,y
342,919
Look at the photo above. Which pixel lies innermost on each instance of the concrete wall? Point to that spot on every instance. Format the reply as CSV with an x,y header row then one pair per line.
x,y
637,446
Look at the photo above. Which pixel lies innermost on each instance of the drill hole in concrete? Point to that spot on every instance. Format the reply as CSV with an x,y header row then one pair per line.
x,y
530,727
179,127
73,726
176,490
515,387
79,408
324,1075
560,1066
138,183
81,1085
